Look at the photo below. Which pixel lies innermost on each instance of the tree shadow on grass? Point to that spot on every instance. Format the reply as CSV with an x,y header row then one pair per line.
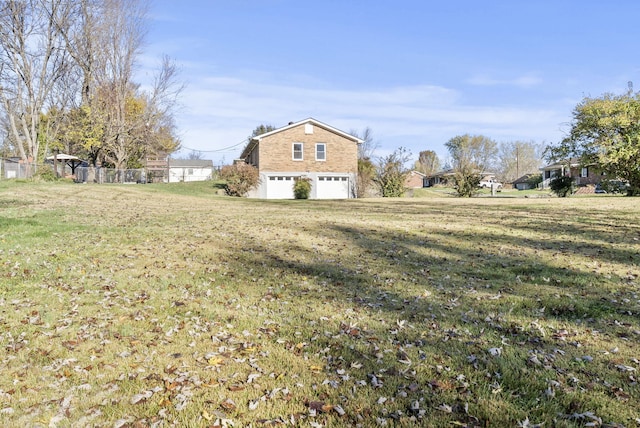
x,y
452,304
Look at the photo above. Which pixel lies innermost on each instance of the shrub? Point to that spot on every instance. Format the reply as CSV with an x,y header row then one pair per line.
x,y
302,188
534,180
366,175
614,186
562,186
466,183
391,173
240,178
45,174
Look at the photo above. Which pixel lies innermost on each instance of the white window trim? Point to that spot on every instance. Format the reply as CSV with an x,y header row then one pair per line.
x,y
293,151
324,151
584,172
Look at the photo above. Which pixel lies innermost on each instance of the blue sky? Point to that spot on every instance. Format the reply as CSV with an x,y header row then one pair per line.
x,y
416,72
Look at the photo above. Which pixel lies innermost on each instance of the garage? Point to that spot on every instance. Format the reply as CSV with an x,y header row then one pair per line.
x,y
280,187
332,187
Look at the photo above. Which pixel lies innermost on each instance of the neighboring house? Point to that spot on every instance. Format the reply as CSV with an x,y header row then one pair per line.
x,y
583,174
415,180
441,178
524,182
309,149
15,167
446,178
189,170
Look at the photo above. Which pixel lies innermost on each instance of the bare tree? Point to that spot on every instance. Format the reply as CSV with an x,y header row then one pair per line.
x,y
68,65
33,62
367,149
517,158
81,24
428,162
124,31
366,167
472,155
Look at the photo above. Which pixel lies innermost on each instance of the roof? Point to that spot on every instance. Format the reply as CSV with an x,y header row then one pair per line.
x,y
417,172
524,179
191,163
257,138
63,157
573,162
443,173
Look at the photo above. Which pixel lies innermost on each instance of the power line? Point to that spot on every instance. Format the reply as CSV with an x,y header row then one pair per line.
x,y
217,150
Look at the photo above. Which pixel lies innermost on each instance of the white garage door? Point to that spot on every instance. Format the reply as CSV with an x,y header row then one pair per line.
x,y
280,187
332,187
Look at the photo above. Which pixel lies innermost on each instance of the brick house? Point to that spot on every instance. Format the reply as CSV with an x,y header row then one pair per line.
x,y
309,149
415,180
583,175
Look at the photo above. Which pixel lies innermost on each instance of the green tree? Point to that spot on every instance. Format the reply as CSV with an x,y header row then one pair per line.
x,y
562,186
391,173
428,162
471,156
606,131
261,129
366,174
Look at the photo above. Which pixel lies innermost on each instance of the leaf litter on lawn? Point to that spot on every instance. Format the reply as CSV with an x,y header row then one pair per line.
x,y
223,312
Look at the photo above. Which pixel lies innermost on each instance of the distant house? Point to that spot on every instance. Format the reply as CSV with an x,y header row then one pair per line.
x,y
446,178
584,175
305,149
14,167
524,182
441,178
189,170
415,180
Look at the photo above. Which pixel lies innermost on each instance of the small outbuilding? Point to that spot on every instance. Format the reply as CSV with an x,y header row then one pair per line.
x,y
184,170
69,161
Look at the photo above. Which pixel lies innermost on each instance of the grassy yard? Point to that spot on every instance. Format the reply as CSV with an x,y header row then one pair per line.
x,y
163,305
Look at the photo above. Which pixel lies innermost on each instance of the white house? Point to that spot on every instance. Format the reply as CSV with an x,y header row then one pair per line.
x,y
183,170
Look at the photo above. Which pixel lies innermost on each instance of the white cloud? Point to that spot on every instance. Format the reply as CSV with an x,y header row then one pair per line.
x,y
221,111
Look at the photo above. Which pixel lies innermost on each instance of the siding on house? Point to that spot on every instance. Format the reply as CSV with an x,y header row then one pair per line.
x,y
185,170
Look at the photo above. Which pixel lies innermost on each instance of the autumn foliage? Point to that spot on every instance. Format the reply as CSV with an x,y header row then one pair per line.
x,y
240,178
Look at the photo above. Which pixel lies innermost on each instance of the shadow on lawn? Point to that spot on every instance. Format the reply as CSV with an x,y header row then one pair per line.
x,y
459,321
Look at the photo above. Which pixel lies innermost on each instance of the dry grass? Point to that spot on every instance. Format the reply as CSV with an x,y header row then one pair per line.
x,y
165,305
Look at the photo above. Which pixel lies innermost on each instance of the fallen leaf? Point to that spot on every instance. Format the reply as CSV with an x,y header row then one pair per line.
x,y
320,406
228,404
215,361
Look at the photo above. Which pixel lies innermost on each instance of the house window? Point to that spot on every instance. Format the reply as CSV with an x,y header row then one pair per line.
x,y
321,152
190,171
584,172
297,151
